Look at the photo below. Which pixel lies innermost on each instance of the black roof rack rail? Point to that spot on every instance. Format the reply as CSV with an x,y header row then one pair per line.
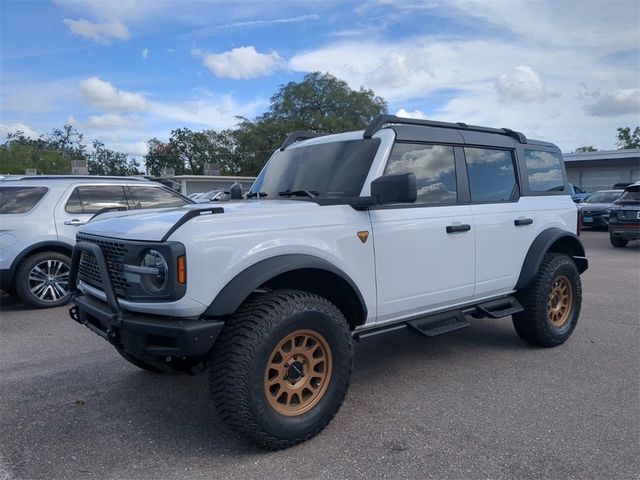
x,y
135,178
382,120
299,135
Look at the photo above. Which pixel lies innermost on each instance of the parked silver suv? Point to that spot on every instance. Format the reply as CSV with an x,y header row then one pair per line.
x,y
39,216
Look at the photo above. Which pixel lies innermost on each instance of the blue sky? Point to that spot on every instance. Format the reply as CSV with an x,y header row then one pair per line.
x,y
125,71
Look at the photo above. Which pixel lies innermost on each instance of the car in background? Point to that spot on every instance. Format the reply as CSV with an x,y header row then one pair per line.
x,y
577,194
194,196
212,196
595,210
39,216
624,221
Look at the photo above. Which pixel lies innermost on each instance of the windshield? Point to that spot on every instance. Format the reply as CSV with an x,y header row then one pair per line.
x,y
336,169
631,195
603,197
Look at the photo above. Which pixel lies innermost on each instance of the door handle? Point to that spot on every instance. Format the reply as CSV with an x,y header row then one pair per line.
x,y
518,222
75,222
458,228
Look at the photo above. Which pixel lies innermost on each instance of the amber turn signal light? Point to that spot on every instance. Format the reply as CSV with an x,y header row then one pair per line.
x,y
182,269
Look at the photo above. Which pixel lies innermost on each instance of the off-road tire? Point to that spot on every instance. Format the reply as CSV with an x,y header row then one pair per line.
x,y
23,287
138,363
534,325
245,347
618,242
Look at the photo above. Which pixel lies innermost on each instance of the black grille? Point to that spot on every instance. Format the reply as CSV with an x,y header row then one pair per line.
x,y
114,253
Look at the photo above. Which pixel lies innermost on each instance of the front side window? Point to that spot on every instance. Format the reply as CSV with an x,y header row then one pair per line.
x,y
155,197
434,168
336,169
492,178
603,197
20,199
544,170
92,199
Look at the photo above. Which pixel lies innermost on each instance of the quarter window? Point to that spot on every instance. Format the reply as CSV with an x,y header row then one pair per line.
x,y
492,178
92,199
155,197
20,199
434,168
544,171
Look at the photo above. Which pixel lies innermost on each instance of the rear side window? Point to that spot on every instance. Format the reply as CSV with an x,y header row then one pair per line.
x,y
434,168
492,178
20,199
155,197
544,170
93,198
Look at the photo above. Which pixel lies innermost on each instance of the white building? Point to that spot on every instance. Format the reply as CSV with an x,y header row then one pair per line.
x,y
594,171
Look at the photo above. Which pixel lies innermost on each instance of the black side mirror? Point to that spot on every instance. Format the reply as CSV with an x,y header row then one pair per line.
x,y
236,191
395,188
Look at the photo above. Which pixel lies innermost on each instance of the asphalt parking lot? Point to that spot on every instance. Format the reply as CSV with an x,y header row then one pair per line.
x,y
477,403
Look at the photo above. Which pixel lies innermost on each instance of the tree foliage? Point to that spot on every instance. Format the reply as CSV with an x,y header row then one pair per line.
x,y
627,138
588,148
104,161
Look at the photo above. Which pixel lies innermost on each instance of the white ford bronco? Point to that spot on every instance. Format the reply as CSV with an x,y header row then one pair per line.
x,y
409,224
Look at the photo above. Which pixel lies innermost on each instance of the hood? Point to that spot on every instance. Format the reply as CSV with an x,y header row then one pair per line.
x,y
157,224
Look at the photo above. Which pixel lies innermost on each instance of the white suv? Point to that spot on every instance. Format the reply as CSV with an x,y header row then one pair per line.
x,y
39,219
409,224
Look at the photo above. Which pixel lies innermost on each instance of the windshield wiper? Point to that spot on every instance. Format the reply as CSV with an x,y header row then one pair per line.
x,y
256,194
298,193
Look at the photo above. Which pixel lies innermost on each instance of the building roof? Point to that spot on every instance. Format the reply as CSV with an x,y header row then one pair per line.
x,y
603,155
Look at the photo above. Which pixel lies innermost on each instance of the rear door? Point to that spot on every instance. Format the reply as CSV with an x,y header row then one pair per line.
x,y
424,252
81,202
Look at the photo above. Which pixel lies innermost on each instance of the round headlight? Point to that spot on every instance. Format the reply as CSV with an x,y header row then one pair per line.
x,y
155,282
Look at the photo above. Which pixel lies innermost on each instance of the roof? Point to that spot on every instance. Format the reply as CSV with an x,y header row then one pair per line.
x,y
92,178
630,153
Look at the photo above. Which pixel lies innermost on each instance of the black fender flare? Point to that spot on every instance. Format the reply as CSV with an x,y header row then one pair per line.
x,y
555,240
242,285
40,246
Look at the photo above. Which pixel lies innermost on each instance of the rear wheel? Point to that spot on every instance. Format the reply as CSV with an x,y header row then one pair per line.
x,y
42,280
551,303
618,242
281,367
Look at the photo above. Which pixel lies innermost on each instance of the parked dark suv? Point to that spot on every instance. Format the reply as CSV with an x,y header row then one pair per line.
x,y
624,219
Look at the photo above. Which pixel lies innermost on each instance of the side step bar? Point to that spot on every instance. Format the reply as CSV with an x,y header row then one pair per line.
x,y
444,322
503,307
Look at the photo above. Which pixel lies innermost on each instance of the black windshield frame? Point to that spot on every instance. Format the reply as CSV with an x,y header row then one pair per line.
x,y
332,169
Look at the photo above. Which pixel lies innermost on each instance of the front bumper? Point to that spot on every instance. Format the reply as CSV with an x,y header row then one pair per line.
x,y
156,339
595,219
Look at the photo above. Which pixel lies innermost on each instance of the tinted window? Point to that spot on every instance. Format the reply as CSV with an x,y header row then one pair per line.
x,y
336,169
544,171
433,166
603,197
491,174
20,199
92,199
155,197
631,195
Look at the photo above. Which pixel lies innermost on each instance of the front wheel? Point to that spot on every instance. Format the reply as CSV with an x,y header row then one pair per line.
x,y
551,303
42,280
281,367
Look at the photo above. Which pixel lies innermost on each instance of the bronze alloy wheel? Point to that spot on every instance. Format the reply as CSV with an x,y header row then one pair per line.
x,y
298,372
560,301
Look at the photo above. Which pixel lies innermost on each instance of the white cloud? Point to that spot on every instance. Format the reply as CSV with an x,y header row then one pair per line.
x,y
523,84
100,93
419,114
111,121
241,63
616,103
101,32
136,149
17,127
144,54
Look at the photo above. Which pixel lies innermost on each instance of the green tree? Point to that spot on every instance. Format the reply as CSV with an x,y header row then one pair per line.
x,y
20,152
587,148
104,161
320,103
628,139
